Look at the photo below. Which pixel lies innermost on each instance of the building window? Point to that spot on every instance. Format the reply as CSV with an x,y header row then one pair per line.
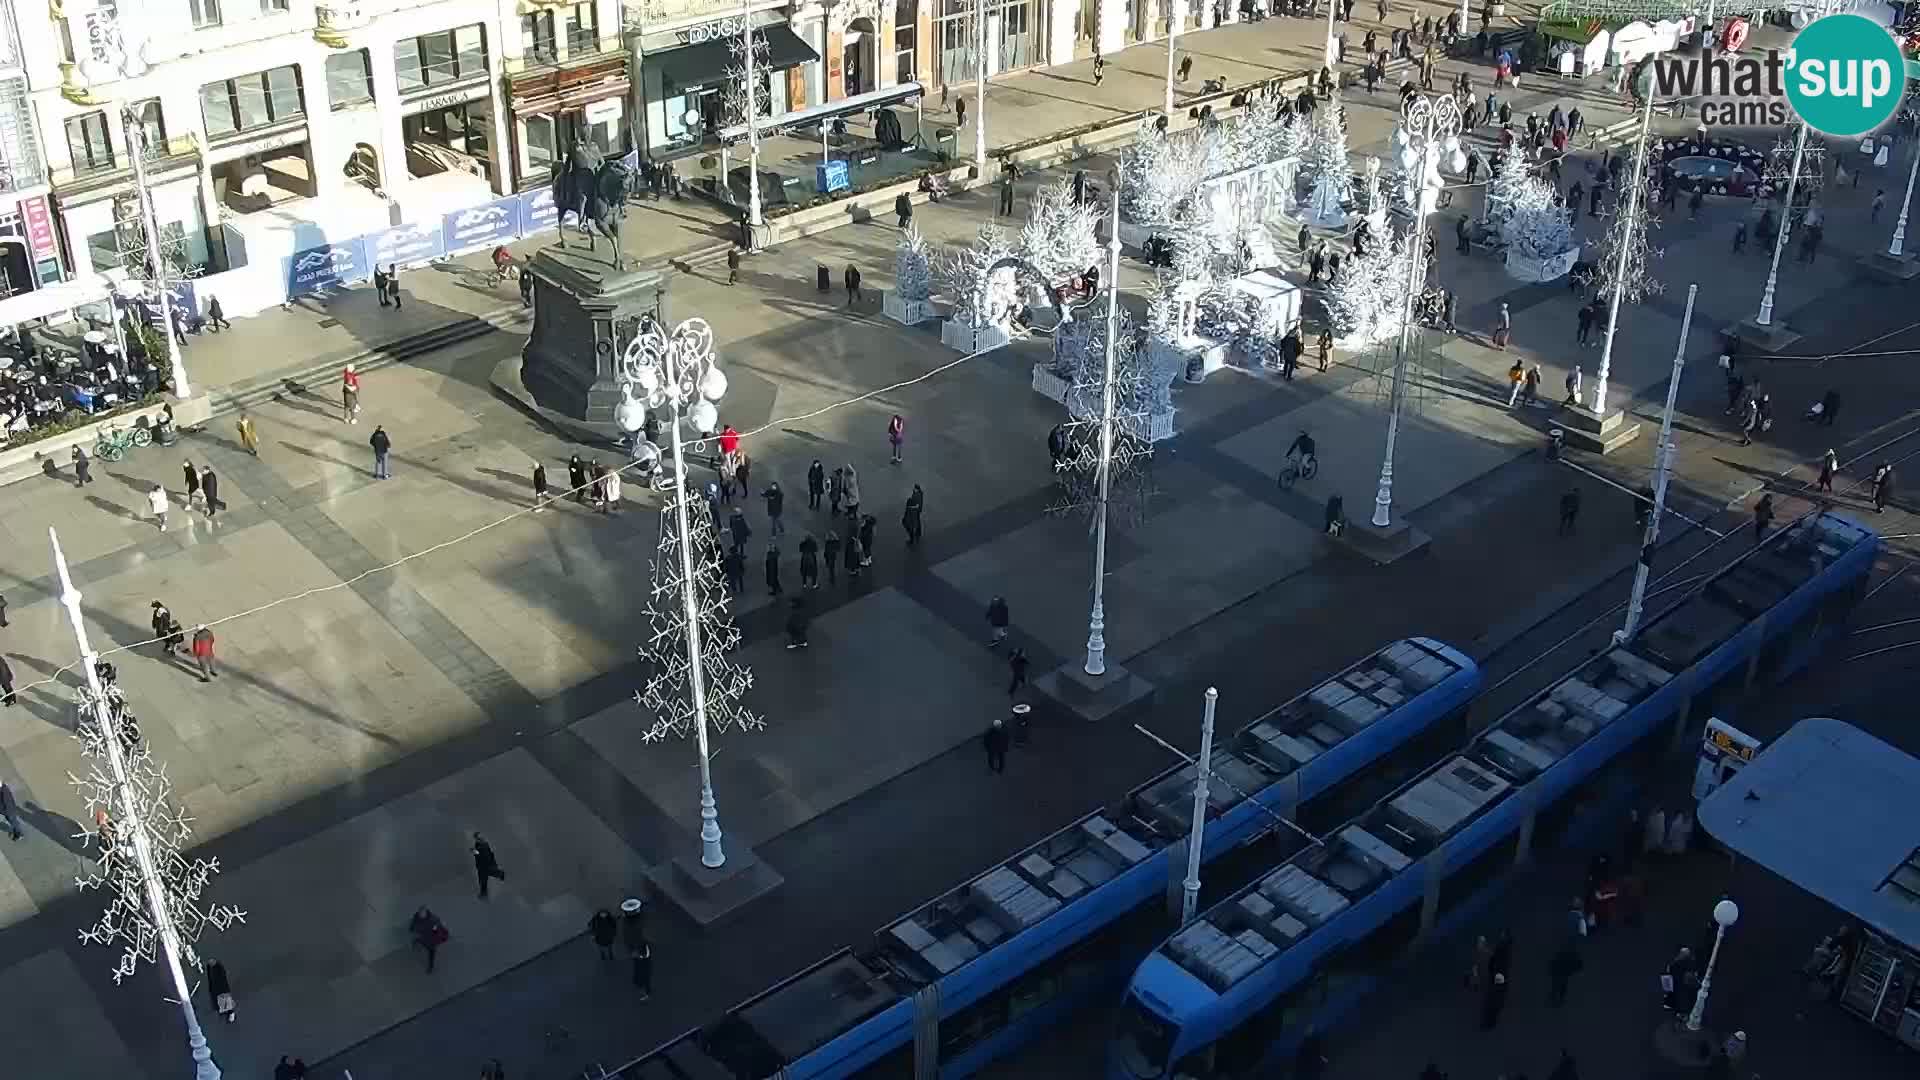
x,y
536,36
87,141
252,101
537,147
905,23
349,78
582,36
206,13
153,129
274,7
437,59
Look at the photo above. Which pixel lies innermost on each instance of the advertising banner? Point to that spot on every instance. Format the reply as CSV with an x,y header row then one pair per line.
x,y
482,226
538,212
405,245
39,222
327,266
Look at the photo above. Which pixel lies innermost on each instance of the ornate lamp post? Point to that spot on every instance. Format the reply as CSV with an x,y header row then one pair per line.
x,y
1725,914
1097,619
679,371
1894,250
749,41
1765,316
1634,191
1429,129
1662,472
980,92
1173,31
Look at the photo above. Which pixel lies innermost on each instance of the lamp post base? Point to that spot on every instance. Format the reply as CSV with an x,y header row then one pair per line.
x,y
1093,697
1678,1046
1772,337
1381,546
709,895
1885,267
1593,432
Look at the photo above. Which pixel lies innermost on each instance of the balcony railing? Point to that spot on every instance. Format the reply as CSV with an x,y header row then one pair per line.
x,y
546,56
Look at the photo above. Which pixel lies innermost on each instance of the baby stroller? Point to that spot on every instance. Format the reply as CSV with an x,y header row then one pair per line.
x,y
647,468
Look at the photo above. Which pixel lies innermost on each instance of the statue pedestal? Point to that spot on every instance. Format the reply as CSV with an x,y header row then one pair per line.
x,y
583,311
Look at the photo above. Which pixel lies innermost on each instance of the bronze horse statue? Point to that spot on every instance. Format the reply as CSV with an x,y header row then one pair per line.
x,y
593,189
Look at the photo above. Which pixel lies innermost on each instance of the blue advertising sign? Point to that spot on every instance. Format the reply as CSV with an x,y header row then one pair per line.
x,y
404,245
831,176
481,226
326,266
538,212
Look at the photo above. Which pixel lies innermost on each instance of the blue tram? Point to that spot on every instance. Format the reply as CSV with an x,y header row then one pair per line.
x,y
976,972
1302,944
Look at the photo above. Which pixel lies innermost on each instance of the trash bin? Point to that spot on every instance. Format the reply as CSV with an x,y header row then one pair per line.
x,y
823,279
943,143
1022,717
1556,441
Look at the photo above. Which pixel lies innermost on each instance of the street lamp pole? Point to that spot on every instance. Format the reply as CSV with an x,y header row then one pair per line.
x,y
980,91
156,255
1097,620
1900,226
754,219
1662,472
132,829
1765,317
1620,262
1430,127
1725,914
1203,774
1173,31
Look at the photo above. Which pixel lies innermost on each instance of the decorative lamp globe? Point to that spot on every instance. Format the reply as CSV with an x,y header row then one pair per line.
x,y
1726,913
713,385
630,414
704,417
1459,160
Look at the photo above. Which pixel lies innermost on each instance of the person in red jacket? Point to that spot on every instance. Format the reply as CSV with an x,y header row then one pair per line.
x,y
202,648
729,449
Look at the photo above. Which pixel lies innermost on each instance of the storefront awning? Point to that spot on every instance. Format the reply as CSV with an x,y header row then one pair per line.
x,y
813,114
50,300
706,64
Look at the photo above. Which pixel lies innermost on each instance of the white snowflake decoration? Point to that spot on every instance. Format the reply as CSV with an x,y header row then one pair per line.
x,y
1533,224
668,696
912,265
1059,236
1630,232
1135,402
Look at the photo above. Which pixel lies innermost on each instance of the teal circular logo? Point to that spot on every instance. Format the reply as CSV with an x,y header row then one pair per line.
x,y
1846,75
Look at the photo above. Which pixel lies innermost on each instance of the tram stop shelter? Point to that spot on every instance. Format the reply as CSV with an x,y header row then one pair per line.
x,y
1836,811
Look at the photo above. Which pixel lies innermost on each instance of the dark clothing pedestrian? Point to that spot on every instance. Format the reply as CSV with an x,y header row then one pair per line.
x,y
902,209
997,620
1882,487
1569,511
526,287
1007,177
742,470
220,990
577,479
1492,1004
382,445
192,478
867,525
854,557
539,486
643,970
1017,664
428,932
1561,969
733,263
997,740
809,563
738,529
734,565
82,468
852,278
210,490
910,518
1829,412
830,552
604,931
216,315
1828,466
816,484
776,506
797,624
773,571
7,696
10,806
486,867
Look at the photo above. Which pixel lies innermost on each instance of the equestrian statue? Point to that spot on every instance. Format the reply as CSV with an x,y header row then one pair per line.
x,y
593,189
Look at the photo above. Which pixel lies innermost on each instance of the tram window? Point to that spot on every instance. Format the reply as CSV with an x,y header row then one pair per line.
x,y
972,1024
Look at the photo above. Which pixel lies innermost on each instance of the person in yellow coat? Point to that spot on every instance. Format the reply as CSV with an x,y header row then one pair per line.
x,y
248,437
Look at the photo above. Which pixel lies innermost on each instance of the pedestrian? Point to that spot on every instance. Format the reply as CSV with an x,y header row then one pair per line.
x,y
734,565
202,650
382,445
643,970
1186,68
428,932
1829,464
816,484
526,285
902,210
1531,394
742,473
1325,345
1829,408
157,502
1503,327
486,866
1749,420
350,395
220,990
1879,203
896,435
910,517
797,623
776,506
1017,663
210,491
1494,1001
9,805
855,558
867,525
737,528
1573,386
1099,67
1516,380
1316,262
1739,237
809,562
960,111
1304,238
393,284
1585,317
1008,174
733,263
577,479
852,277
1678,982
850,493
836,490
1565,1070
1462,235
1569,510
997,620
191,478
539,487
249,439
604,932
996,740
1561,969
610,485
773,569
7,696
82,468
1882,487
830,553
3,611
380,285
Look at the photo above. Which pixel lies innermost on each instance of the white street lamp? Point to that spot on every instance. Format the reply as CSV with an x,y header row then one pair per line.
x,y
1097,620
156,889
980,92
1203,772
748,42
1429,130
1330,53
137,149
1173,32
1725,914
1662,472
1634,191
680,372
1765,317
1900,226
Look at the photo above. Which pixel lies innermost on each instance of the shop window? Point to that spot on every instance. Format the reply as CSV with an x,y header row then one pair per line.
x,y
437,59
274,7
87,141
349,78
206,13
583,37
537,148
252,101
153,129
904,28
536,36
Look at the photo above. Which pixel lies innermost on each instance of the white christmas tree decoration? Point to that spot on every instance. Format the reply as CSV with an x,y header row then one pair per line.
x,y
1059,236
912,265
667,696
1158,175
1813,169
1504,188
1366,303
1630,233
1135,403
980,297
1328,173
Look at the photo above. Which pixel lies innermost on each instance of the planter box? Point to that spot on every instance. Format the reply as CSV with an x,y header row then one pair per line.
x,y
909,312
1152,428
1195,358
956,334
1524,267
1048,385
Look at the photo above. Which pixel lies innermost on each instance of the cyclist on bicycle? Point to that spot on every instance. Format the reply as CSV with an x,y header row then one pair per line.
x,y
502,261
1300,453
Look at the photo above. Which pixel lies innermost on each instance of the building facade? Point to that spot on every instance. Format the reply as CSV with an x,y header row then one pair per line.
x,y
29,253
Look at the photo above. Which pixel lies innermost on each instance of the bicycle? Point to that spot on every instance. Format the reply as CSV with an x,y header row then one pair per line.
x,y
503,272
115,441
1297,469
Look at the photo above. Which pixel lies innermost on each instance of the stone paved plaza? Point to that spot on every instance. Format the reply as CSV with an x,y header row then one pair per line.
x,y
369,718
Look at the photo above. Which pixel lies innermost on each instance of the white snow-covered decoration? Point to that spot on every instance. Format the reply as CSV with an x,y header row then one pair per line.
x,y
1630,233
1366,304
1504,188
1539,238
1059,237
1327,171
667,696
979,298
1158,175
910,300
1376,202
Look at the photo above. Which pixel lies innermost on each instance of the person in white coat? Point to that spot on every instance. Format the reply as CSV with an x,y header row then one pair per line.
x,y
157,502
